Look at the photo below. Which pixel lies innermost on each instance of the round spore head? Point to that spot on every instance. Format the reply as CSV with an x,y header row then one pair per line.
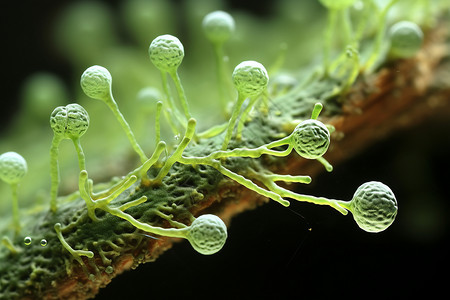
x,y
337,4
96,82
250,78
311,139
13,167
218,26
70,121
207,234
166,52
406,39
374,206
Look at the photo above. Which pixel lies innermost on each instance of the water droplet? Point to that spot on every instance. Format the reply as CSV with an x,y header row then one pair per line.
x,y
177,137
43,242
27,241
109,269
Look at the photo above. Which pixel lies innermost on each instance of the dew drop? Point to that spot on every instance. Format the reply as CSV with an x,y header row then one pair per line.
x,y
43,242
27,241
109,269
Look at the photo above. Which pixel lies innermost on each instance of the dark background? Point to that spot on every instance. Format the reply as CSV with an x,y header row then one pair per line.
x,y
305,251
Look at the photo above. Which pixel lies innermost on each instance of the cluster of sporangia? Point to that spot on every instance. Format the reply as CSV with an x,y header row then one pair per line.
x,y
373,205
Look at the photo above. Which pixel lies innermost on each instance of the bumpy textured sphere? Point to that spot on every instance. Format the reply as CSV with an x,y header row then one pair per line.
x,y
337,4
374,206
13,167
406,39
311,139
166,52
207,234
70,121
96,82
250,78
218,26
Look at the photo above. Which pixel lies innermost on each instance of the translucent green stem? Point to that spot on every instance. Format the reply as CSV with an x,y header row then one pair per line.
x,y
255,152
8,244
232,122
157,122
316,111
244,116
331,21
115,109
80,154
220,74
174,113
381,27
15,208
169,232
181,93
236,177
75,253
304,198
54,172
213,131
190,130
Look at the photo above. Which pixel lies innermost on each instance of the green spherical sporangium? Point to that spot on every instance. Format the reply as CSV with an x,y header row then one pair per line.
x,y
70,121
374,206
311,139
250,78
96,82
166,52
207,234
406,39
13,167
218,26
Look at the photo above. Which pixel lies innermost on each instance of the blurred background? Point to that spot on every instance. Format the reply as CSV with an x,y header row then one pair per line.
x,y
304,251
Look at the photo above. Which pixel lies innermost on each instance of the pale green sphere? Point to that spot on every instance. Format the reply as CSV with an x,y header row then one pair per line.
x,y
96,82
374,206
207,234
70,121
250,78
166,52
13,167
406,39
311,139
218,26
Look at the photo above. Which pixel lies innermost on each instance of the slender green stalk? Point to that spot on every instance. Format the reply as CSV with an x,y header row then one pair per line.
x,y
115,109
244,116
181,93
54,172
8,244
169,232
331,22
177,154
80,153
232,122
304,198
212,131
220,75
255,152
15,208
174,112
381,28
75,253
157,122
236,177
